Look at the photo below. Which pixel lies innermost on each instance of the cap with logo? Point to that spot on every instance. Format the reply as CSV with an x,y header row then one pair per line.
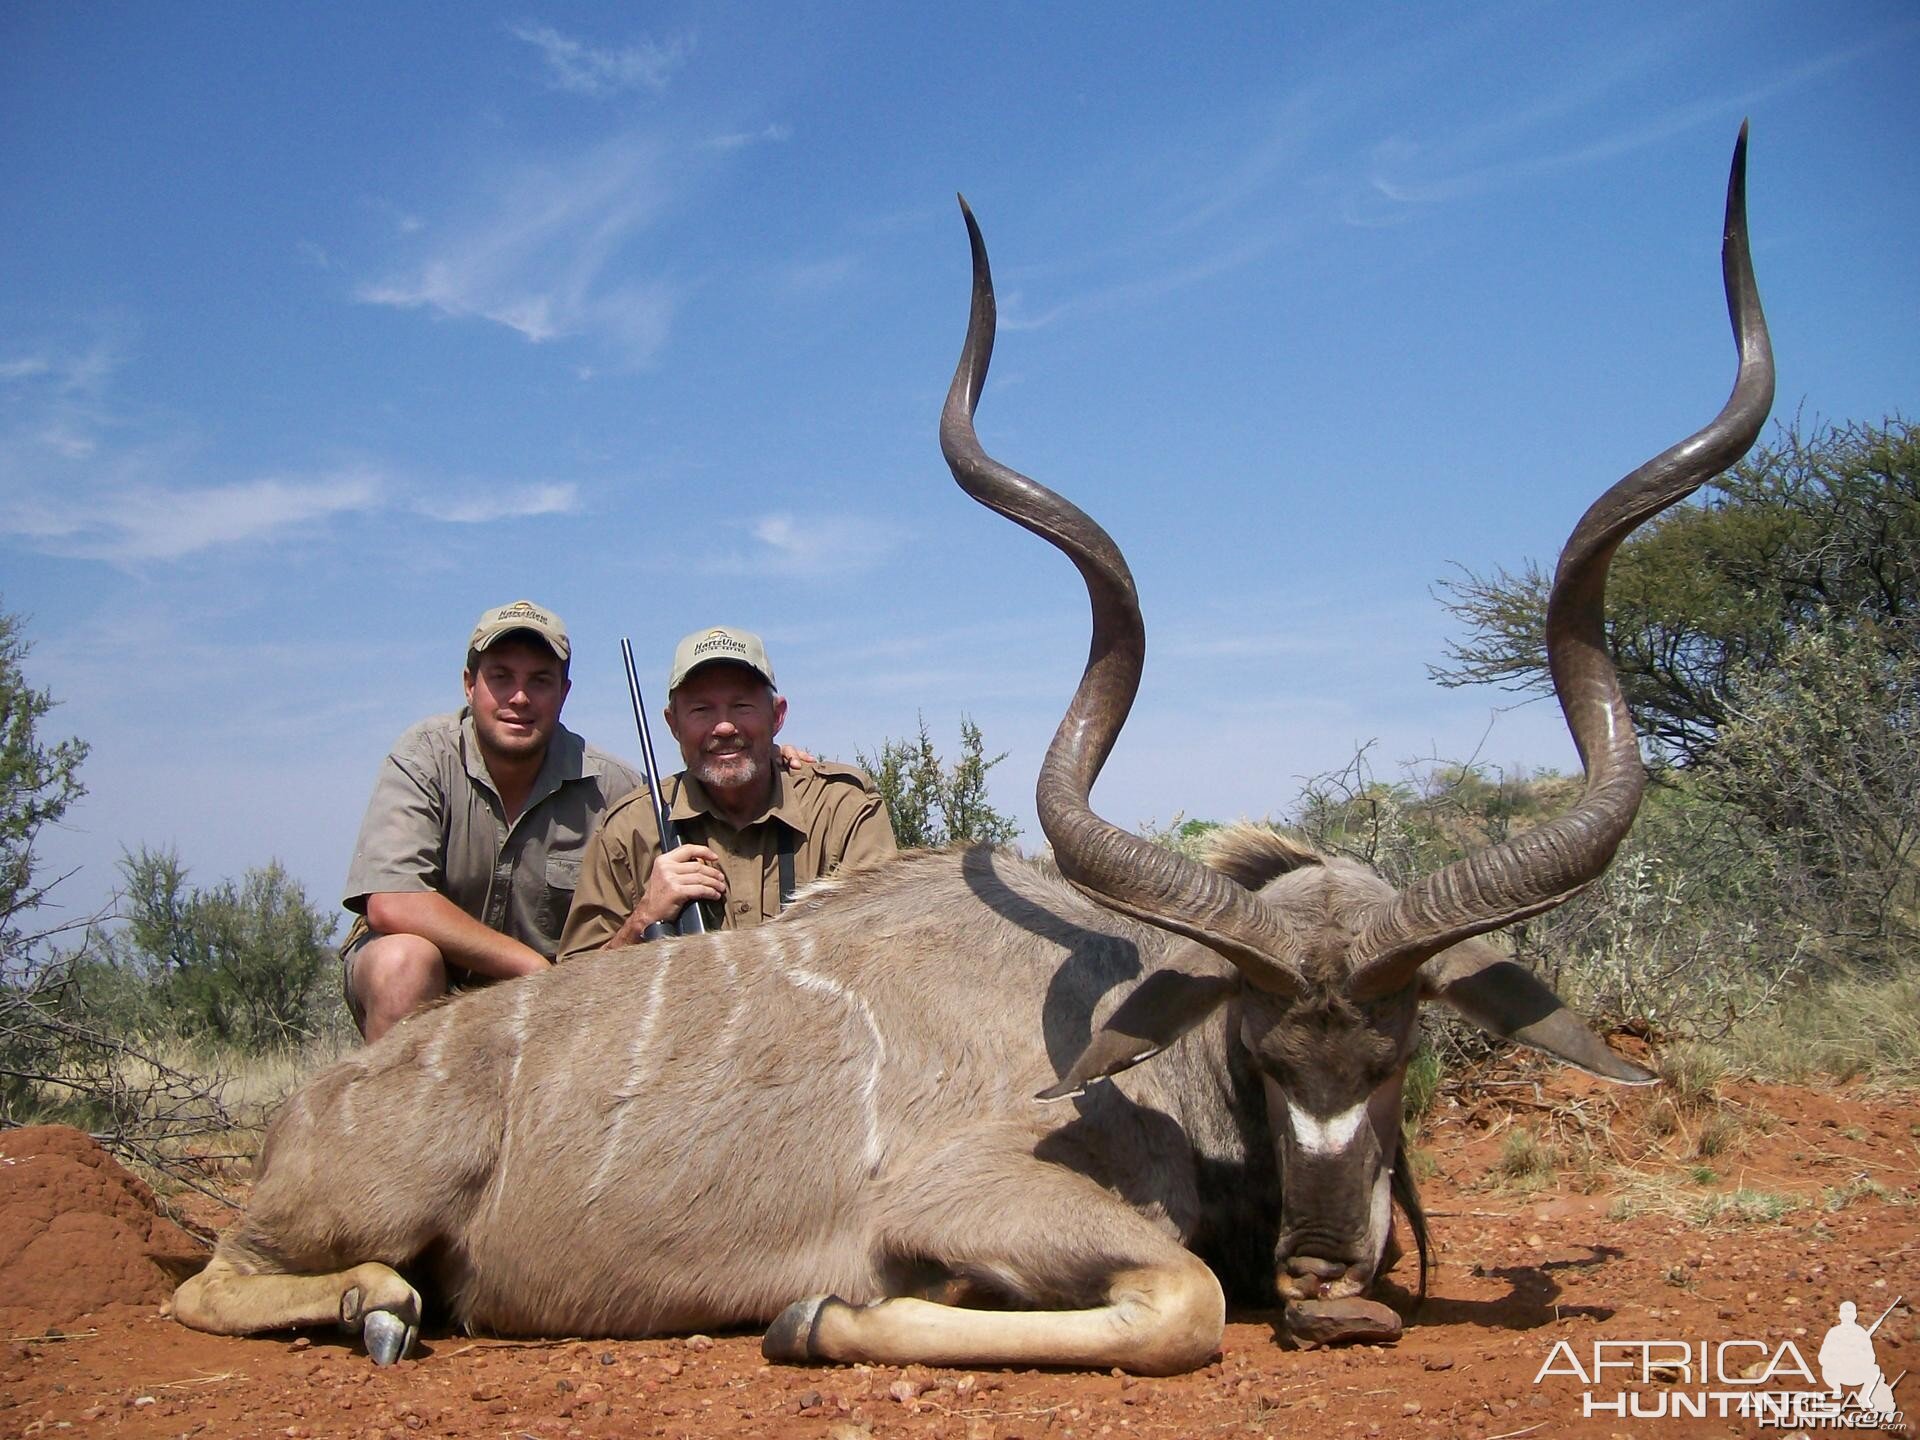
x,y
502,621
721,644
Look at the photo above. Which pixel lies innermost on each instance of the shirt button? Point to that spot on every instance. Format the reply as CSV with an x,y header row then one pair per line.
x,y
739,907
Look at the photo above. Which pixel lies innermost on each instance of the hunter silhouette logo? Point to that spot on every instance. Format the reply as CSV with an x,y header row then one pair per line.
x,y
1849,1366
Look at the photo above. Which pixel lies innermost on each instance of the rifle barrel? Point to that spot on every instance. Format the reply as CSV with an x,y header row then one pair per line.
x,y
691,921
1884,1313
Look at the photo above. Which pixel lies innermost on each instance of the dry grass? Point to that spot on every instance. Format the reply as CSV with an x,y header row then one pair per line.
x,y
1849,1028
1526,1161
1668,1195
1718,1134
1861,1187
1691,1073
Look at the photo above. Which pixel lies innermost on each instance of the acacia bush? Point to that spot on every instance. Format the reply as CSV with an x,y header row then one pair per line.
x,y
246,966
1682,935
132,1028
1823,753
1710,926
1820,528
932,803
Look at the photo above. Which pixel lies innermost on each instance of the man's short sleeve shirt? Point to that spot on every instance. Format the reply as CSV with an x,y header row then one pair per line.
x,y
435,823
828,816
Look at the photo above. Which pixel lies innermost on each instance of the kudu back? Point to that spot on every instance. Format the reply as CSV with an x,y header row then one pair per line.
x,y
831,1123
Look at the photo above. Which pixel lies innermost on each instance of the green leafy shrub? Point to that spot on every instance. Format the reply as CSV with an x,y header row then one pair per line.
x,y
932,803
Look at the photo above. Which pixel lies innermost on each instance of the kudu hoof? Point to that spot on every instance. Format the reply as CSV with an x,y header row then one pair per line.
x,y
387,1337
790,1338
389,1331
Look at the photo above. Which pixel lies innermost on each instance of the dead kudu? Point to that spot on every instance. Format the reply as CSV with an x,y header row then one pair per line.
x,y
830,1123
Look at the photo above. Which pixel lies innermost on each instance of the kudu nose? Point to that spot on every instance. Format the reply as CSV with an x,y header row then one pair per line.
x,y
1312,1267
1310,1277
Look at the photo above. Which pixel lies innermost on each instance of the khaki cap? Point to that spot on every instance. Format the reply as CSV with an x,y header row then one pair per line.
x,y
720,644
504,620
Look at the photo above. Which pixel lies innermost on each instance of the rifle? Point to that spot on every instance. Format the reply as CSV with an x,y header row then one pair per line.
x,y
690,920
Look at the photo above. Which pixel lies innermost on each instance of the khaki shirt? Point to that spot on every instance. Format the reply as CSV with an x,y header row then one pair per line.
x,y
436,823
835,817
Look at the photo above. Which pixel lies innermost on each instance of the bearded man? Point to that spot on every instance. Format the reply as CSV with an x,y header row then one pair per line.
x,y
752,831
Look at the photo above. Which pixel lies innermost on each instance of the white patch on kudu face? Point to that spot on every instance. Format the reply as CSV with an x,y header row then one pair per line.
x,y
1329,1136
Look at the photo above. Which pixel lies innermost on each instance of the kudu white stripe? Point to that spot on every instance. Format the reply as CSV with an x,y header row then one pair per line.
x,y
517,1038
807,979
642,1060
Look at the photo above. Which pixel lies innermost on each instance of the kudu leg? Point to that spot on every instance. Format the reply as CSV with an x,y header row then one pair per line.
x,y
1157,1321
1045,1237
356,1176
370,1299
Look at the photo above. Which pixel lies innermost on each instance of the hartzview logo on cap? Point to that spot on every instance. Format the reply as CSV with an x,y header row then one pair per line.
x,y
521,615
718,644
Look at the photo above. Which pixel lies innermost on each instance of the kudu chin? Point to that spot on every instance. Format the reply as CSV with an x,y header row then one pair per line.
x,y
831,1123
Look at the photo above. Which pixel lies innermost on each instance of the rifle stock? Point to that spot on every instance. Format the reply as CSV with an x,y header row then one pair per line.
x,y
690,921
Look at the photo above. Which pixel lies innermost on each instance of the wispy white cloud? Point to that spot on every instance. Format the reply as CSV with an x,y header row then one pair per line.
x,y
139,516
1015,314
812,548
135,523
90,476
68,437
815,277
518,503
541,257
51,406
774,134
1500,175
599,71
1469,163
78,372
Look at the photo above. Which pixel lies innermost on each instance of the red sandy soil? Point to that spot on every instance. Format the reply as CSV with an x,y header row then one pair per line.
x,y
86,1346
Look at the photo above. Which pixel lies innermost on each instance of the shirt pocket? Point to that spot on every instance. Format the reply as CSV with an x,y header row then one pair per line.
x,y
563,878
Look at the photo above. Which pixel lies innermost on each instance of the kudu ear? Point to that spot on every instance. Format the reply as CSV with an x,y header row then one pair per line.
x,y
1161,1009
1503,998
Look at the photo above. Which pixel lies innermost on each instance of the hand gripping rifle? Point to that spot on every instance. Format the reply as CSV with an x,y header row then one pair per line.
x,y
690,921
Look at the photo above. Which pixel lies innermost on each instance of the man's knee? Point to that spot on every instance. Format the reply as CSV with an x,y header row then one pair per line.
x,y
390,977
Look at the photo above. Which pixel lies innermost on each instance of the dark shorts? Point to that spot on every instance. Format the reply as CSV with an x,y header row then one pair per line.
x,y
360,935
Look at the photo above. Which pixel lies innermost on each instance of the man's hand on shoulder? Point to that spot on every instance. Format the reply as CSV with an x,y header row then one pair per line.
x,y
792,757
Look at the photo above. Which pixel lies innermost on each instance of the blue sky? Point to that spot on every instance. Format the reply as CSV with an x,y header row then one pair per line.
x,y
324,327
